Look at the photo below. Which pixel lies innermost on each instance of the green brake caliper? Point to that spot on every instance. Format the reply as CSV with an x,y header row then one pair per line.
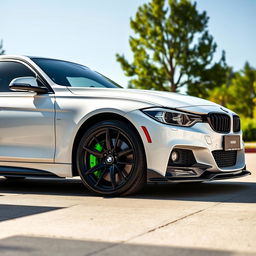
x,y
95,161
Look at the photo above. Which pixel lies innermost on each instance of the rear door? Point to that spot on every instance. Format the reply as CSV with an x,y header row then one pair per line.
x,y
26,119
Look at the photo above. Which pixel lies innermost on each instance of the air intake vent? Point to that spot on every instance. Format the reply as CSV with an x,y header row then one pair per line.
x,y
236,124
225,158
185,157
219,122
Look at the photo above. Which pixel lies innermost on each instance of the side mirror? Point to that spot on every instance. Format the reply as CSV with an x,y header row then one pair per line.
x,y
26,84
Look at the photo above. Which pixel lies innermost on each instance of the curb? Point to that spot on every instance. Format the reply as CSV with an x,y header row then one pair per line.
x,y
250,150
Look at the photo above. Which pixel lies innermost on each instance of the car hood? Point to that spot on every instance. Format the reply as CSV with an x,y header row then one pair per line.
x,y
153,98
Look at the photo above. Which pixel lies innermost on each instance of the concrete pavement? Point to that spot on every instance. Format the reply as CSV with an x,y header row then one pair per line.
x,y
60,217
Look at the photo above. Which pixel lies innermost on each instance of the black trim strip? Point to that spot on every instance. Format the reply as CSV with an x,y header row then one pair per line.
x,y
206,176
26,162
24,172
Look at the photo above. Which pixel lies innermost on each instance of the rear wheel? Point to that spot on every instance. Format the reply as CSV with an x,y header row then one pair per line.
x,y
111,160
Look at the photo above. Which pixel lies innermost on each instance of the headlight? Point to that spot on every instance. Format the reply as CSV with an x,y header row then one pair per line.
x,y
172,117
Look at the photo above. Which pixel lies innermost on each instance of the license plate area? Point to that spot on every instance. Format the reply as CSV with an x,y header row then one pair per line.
x,y
231,142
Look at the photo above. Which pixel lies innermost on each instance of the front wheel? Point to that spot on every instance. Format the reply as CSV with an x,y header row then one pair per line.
x,y
111,159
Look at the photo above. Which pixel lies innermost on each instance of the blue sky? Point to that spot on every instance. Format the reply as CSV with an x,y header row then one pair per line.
x,y
92,32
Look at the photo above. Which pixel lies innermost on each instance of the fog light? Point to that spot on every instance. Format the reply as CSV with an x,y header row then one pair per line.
x,y
174,155
181,157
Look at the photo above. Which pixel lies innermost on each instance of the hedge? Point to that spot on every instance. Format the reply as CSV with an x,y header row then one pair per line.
x,y
249,129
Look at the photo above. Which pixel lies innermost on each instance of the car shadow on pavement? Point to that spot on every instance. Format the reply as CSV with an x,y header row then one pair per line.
x,y
228,191
26,246
54,186
8,212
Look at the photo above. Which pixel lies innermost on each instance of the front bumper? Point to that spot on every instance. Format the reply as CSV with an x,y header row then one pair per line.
x,y
201,139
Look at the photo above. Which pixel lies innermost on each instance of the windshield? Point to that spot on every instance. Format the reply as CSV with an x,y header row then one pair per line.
x,y
71,74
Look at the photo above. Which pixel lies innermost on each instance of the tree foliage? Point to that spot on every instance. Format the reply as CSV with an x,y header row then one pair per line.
x,y
240,93
172,48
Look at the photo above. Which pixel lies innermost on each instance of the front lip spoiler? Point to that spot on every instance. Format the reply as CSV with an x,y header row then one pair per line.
x,y
206,176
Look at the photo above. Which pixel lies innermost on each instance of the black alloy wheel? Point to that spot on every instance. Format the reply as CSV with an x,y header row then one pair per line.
x,y
111,159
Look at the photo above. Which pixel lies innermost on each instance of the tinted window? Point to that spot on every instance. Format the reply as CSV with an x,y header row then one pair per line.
x,y
10,70
72,74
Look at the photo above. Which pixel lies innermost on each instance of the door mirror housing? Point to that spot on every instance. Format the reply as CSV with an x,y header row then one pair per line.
x,y
26,84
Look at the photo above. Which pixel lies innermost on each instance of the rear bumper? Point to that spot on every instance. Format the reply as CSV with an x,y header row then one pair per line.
x,y
205,176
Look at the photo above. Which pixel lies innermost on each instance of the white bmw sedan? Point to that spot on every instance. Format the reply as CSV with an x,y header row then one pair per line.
x,y
61,119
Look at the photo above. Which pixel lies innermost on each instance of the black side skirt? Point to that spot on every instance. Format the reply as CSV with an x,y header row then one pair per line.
x,y
25,172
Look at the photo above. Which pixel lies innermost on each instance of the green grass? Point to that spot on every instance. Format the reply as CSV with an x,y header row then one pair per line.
x,y
251,144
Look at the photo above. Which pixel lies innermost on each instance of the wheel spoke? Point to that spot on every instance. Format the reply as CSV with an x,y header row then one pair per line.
x,y
94,152
116,142
95,168
125,152
97,141
113,176
126,162
101,176
108,140
121,173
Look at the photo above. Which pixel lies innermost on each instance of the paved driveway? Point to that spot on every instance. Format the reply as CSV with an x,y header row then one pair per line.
x,y
60,217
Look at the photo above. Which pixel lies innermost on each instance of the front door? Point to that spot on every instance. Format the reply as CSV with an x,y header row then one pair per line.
x,y
26,119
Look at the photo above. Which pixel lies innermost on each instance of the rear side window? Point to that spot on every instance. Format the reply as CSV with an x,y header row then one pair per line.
x,y
10,70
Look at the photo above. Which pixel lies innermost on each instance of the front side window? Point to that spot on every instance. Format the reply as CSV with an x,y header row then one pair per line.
x,y
72,74
10,70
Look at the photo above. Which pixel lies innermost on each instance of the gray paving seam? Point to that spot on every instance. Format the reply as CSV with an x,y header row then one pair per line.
x,y
104,249
184,217
161,226
148,231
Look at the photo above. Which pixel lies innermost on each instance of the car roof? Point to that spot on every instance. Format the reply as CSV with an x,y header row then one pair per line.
x,y
24,57
13,57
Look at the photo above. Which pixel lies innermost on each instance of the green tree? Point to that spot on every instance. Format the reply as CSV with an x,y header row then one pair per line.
x,y
238,92
220,94
172,48
2,51
242,92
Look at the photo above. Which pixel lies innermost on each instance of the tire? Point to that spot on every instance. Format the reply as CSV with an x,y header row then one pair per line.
x,y
110,159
